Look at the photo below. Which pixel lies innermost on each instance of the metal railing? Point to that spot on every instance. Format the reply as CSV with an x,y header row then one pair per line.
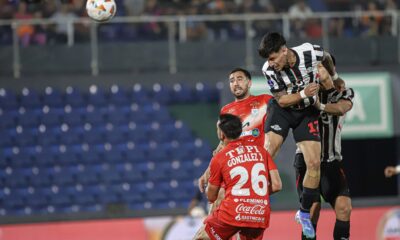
x,y
178,25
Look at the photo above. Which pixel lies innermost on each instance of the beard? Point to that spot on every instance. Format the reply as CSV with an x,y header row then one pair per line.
x,y
241,95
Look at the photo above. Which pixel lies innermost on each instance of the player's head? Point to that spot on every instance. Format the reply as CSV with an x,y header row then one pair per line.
x,y
339,84
273,48
229,127
323,73
240,83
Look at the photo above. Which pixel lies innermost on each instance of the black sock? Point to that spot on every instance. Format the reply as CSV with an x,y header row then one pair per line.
x,y
342,230
309,196
303,237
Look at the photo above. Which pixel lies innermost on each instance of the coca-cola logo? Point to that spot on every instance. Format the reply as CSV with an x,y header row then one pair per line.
x,y
254,210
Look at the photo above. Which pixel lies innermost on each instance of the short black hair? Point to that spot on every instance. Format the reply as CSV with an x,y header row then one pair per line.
x,y
246,73
230,125
271,43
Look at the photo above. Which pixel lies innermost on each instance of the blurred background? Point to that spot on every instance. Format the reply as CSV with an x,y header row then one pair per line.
x,y
117,120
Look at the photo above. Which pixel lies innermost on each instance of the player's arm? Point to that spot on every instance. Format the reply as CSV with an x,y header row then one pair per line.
x,y
212,192
274,177
220,146
204,179
341,107
338,109
214,181
287,100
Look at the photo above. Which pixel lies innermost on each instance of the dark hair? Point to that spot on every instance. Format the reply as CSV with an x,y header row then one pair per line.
x,y
246,73
339,81
271,43
230,125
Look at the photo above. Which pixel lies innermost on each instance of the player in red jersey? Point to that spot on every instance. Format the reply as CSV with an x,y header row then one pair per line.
x,y
242,166
252,111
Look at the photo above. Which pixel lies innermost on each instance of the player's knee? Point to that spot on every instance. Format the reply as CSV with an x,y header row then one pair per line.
x,y
313,164
343,210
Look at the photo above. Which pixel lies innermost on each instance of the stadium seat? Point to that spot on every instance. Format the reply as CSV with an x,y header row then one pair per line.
x,y
8,99
52,97
30,99
73,97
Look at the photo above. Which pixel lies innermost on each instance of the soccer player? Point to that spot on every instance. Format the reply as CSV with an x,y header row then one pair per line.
x,y
252,111
242,167
392,170
334,101
292,77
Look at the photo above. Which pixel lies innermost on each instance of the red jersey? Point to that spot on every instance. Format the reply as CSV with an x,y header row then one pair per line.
x,y
252,111
242,167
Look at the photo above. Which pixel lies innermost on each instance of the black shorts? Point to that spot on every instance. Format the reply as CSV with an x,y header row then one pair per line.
x,y
333,181
304,123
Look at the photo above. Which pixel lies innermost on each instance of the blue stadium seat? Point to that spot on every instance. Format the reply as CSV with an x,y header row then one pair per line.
x,y
8,99
30,99
48,137
161,93
182,93
118,96
8,119
51,118
74,117
87,177
96,96
115,136
73,97
52,97
95,117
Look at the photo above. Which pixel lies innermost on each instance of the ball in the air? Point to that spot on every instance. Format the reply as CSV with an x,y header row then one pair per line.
x,y
101,10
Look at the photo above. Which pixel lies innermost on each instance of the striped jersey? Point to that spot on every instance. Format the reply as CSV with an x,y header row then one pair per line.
x,y
296,78
330,126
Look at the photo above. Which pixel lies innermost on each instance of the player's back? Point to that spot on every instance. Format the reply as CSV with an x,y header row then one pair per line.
x,y
245,175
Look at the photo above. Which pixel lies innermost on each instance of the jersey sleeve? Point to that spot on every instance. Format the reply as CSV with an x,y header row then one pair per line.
x,y
272,79
215,172
347,94
319,52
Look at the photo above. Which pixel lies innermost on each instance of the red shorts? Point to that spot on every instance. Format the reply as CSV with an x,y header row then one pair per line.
x,y
218,230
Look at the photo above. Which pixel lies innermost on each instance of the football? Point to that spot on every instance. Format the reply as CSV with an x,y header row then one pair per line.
x,y
101,10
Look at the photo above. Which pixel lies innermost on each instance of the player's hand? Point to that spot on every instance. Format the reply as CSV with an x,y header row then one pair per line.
x,y
312,89
202,183
317,103
390,171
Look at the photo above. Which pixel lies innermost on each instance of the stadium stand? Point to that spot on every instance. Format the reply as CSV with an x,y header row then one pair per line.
x,y
72,150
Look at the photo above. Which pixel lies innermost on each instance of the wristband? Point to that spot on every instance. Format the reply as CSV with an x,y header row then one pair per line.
x,y
303,94
322,107
397,169
335,76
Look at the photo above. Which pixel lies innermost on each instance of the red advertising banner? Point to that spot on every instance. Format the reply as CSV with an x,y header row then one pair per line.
x,y
377,223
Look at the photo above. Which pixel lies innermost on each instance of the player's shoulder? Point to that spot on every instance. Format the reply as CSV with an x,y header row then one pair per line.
x,y
267,69
263,97
303,47
227,107
348,94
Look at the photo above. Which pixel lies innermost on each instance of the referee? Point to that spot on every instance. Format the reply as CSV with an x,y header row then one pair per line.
x,y
292,77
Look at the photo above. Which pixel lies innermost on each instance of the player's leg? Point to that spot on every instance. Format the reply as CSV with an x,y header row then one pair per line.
x,y
217,229
216,203
343,211
300,169
306,135
201,234
251,233
276,127
336,191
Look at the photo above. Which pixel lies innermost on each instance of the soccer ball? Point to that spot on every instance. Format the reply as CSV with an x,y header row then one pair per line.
x,y
101,10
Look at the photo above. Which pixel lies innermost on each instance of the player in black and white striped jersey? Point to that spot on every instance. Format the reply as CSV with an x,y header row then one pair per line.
x,y
334,102
292,76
